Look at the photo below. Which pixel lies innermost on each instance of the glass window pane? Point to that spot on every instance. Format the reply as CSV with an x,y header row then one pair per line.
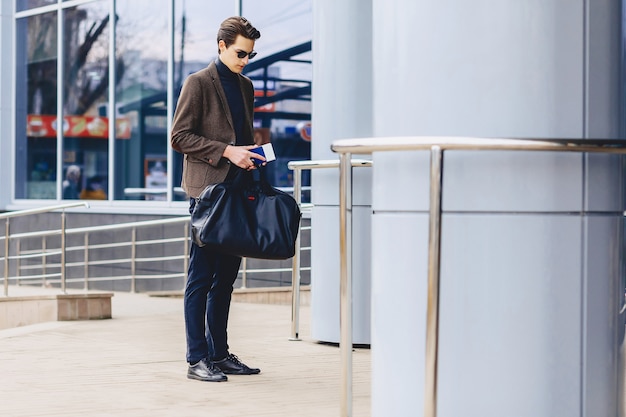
x,y
31,4
36,107
141,94
284,24
283,65
195,42
195,45
85,99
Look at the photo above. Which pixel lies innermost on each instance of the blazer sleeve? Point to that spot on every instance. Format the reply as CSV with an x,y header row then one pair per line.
x,y
189,117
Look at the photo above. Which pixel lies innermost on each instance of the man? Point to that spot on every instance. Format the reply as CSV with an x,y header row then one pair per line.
x,y
213,129
71,184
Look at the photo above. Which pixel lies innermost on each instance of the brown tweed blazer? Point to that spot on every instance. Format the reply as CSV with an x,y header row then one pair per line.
x,y
203,127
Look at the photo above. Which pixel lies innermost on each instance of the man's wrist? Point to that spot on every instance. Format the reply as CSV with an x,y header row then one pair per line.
x,y
227,149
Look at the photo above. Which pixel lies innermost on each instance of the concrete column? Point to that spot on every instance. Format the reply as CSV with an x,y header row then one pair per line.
x,y
342,108
531,254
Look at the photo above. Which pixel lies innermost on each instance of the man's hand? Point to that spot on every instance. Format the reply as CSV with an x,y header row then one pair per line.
x,y
242,157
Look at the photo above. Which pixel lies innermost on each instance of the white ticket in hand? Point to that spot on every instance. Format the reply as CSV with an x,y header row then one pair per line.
x,y
267,151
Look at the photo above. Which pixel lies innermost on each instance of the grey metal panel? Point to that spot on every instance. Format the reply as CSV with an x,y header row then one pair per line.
x,y
362,273
401,181
603,68
512,181
602,299
342,74
479,68
604,183
510,330
399,287
500,181
325,186
325,274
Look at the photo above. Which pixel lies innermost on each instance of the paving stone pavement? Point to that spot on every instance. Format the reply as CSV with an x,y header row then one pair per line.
x,y
134,365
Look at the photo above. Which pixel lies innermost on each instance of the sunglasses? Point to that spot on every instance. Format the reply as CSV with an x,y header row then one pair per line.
x,y
242,54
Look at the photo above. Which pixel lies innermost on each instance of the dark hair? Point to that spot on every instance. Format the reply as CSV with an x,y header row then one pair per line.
x,y
233,26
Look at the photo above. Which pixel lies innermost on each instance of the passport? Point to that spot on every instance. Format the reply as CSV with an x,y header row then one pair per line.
x,y
267,151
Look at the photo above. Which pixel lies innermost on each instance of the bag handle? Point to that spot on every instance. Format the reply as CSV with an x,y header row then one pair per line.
x,y
243,178
265,184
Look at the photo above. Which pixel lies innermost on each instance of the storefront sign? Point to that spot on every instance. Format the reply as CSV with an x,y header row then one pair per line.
x,y
45,126
305,130
269,107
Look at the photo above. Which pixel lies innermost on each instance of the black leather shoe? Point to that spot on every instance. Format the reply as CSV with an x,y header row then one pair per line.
x,y
233,366
205,371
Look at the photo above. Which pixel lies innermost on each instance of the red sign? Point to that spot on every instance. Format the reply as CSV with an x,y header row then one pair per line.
x,y
270,107
45,126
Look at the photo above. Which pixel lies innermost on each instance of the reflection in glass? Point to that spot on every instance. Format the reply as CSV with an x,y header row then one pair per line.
x,y
141,94
283,68
85,98
195,45
36,107
141,81
31,4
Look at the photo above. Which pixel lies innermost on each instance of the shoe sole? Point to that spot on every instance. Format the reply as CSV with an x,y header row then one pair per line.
x,y
241,373
197,378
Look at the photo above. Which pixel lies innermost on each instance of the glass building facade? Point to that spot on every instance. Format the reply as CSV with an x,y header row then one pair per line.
x,y
94,96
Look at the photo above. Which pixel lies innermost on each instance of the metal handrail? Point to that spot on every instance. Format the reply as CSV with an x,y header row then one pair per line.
x,y
7,236
160,191
133,260
41,210
297,167
108,227
86,230
436,145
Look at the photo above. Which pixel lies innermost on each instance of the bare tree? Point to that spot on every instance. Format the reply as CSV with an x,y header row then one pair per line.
x,y
86,77
81,88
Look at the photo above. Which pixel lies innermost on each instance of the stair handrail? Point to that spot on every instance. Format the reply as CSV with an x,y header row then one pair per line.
x,y
7,236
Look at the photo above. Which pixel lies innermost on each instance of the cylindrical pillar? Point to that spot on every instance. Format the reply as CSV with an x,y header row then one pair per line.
x,y
531,242
342,107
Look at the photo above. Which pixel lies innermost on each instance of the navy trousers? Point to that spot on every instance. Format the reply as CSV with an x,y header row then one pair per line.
x,y
208,292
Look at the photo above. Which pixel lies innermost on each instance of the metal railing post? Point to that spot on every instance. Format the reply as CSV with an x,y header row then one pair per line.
x,y
244,272
345,278
295,263
432,309
6,257
7,216
86,260
186,253
44,260
436,145
297,167
133,257
18,261
63,243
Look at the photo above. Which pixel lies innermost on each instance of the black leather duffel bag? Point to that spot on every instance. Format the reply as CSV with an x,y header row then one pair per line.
x,y
246,217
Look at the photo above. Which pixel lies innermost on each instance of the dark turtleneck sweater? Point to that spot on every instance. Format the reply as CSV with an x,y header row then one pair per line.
x,y
230,83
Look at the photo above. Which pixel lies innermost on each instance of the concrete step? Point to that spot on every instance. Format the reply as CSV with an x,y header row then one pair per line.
x,y
27,305
261,295
22,310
